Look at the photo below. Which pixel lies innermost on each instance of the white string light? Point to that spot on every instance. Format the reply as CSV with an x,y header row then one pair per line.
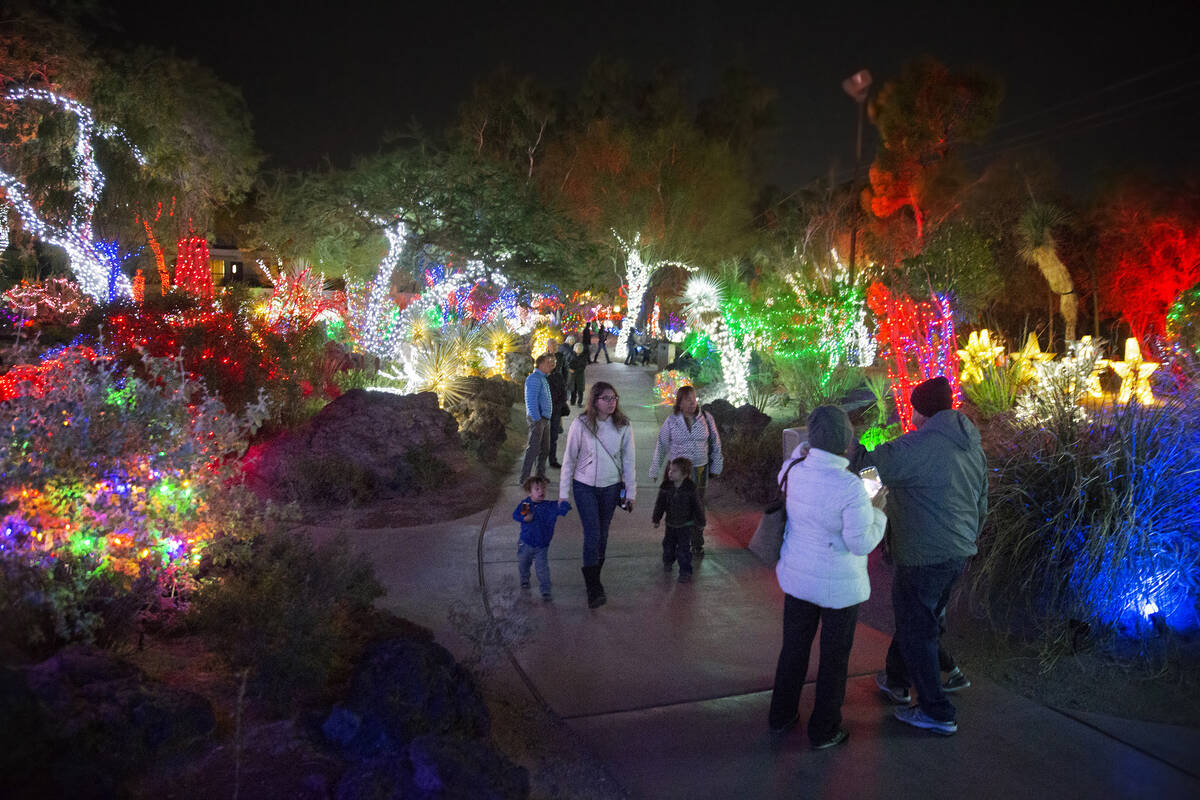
x,y
88,260
704,300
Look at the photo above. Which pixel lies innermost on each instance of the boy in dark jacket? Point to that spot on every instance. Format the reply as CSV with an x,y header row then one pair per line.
x,y
677,499
537,517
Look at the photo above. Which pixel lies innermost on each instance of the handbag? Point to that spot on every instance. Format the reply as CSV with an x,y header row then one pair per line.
x,y
767,541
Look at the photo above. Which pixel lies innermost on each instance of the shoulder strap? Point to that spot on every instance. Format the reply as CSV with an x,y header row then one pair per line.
x,y
783,485
617,464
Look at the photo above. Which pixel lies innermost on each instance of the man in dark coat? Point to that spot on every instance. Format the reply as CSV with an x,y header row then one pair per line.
x,y
937,501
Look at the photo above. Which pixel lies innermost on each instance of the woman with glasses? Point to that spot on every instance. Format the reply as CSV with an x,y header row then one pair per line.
x,y
599,467
692,434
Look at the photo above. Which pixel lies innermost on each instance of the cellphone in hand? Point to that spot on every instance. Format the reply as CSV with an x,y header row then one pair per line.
x,y
871,482
526,508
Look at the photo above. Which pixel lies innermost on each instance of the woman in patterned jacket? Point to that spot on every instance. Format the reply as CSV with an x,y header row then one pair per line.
x,y
692,434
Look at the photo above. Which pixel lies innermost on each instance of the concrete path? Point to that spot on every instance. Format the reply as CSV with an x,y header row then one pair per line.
x,y
669,684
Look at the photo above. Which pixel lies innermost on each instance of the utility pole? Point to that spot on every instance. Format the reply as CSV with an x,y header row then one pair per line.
x,y
857,86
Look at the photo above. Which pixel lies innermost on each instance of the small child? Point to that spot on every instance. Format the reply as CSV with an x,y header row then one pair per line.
x,y
537,518
677,498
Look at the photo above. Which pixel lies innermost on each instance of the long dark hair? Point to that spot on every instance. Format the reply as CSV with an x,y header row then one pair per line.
x,y
619,419
683,390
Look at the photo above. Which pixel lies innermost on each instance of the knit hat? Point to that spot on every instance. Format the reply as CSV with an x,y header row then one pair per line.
x,y
932,396
829,430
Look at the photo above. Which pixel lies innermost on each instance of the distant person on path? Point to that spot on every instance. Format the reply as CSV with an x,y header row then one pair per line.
x,y
558,400
602,345
537,517
692,434
937,475
539,408
677,499
578,365
586,337
831,527
599,466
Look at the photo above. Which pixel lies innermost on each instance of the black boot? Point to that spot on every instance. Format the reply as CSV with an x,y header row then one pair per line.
x,y
595,595
599,585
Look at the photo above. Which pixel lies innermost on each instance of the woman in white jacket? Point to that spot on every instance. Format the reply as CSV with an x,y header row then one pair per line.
x,y
598,466
831,527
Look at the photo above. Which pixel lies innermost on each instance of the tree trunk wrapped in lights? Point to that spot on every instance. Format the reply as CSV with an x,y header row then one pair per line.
x,y
917,340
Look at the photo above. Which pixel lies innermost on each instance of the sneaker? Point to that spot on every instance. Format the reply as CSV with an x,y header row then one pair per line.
x,y
698,552
787,726
956,680
838,738
547,596
685,577
524,584
913,715
897,694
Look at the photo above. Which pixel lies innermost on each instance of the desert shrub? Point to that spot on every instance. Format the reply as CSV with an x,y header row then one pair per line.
x,y
67,600
810,382
1093,524
296,616
329,480
752,460
483,411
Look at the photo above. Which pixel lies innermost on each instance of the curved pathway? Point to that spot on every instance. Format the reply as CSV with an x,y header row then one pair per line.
x,y
669,684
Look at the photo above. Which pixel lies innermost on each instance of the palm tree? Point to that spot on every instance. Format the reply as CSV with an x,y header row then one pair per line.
x,y
1038,247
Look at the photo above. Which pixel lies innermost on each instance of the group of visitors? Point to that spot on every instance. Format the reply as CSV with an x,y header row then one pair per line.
x,y
934,490
599,470
935,494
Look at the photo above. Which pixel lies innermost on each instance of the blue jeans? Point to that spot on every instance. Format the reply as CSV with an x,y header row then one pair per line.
x,y
595,505
919,596
539,557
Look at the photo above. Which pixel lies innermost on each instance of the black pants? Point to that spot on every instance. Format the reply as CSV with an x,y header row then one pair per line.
x,y
677,545
800,619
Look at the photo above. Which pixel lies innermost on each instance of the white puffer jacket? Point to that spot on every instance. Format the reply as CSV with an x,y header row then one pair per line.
x,y
831,527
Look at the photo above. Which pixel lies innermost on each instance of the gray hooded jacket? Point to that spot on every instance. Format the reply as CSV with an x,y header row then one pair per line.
x,y
937,482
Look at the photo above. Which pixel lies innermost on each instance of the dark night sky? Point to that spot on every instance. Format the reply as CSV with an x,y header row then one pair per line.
x,y
329,79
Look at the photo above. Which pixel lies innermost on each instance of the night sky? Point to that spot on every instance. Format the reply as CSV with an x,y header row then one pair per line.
x,y
1101,92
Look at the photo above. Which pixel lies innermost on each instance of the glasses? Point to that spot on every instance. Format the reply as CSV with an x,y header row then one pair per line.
x,y
609,398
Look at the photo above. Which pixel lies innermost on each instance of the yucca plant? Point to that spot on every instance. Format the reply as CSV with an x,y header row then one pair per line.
x,y
997,391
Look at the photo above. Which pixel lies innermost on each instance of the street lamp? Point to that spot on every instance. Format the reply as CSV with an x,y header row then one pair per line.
x,y
857,86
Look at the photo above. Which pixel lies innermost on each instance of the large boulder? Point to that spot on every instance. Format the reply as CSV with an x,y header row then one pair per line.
x,y
96,721
362,446
405,688
744,420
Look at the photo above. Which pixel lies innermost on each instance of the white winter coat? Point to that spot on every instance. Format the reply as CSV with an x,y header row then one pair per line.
x,y
831,527
586,461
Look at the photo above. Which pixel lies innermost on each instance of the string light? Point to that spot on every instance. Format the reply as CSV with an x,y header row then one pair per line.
x,y
704,301
86,259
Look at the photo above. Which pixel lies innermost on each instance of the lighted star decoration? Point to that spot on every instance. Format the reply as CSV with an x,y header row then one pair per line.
x,y
1087,347
1135,375
1029,356
980,353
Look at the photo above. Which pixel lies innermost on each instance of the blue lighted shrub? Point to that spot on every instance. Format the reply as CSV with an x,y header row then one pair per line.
x,y
1095,525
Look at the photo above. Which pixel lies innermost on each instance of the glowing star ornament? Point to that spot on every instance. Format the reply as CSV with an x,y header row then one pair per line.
x,y
1135,375
1029,356
1089,349
980,353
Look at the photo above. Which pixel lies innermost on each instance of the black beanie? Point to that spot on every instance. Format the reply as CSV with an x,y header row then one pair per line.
x,y
829,430
932,396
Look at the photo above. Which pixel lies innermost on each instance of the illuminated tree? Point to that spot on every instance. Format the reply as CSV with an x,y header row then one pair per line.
x,y
923,116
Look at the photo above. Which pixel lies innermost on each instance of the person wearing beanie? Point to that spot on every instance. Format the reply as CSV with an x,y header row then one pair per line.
x,y
831,527
937,477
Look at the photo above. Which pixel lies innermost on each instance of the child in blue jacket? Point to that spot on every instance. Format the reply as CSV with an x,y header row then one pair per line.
x,y
537,517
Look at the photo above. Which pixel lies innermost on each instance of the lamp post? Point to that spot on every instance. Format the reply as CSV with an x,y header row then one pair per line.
x,y
857,86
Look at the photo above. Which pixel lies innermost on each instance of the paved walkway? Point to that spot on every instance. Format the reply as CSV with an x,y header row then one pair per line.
x,y
669,684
